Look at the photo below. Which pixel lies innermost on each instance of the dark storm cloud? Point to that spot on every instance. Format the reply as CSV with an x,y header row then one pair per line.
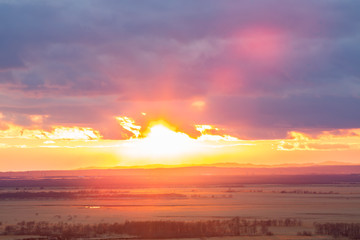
x,y
305,56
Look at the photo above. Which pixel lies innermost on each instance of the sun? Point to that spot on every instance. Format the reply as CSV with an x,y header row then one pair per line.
x,y
160,142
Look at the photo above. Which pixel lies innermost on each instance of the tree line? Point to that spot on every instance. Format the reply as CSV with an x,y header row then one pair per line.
x,y
349,230
150,229
84,194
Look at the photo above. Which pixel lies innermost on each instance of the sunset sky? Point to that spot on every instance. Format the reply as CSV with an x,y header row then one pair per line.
x,y
127,83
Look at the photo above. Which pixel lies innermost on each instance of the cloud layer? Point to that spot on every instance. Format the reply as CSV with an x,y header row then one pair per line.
x,y
260,69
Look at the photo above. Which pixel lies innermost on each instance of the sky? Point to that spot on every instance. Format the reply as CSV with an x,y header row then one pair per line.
x,y
121,83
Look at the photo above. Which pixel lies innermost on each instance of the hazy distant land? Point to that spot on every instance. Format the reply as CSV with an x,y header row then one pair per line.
x,y
183,176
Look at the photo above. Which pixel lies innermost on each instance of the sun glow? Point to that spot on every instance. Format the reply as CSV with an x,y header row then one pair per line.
x,y
161,142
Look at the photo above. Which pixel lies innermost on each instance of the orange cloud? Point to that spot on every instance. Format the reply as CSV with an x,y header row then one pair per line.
x,y
129,124
209,133
57,133
38,119
340,139
199,104
203,129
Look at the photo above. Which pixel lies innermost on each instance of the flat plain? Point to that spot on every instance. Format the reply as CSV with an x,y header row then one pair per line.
x,y
319,203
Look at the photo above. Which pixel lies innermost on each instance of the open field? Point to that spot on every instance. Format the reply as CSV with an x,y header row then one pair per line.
x,y
201,197
310,203
307,203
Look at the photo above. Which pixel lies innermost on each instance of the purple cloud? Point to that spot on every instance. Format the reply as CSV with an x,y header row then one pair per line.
x,y
269,65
